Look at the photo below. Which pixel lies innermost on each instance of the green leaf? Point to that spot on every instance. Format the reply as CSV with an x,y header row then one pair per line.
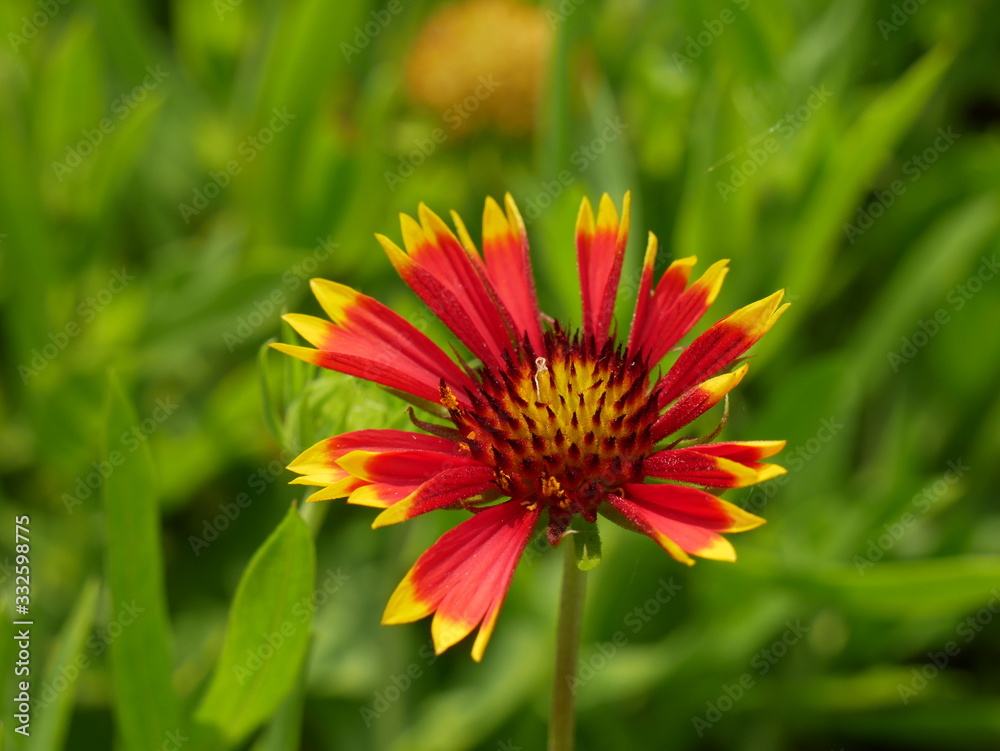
x,y
913,589
940,258
284,733
861,151
141,662
52,717
267,634
69,99
471,710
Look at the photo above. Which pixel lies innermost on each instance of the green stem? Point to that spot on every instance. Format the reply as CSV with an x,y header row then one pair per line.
x,y
574,589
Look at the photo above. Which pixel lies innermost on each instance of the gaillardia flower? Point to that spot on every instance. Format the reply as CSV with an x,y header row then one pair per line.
x,y
547,423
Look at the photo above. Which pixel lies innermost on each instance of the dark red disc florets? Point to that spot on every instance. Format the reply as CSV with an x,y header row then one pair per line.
x,y
562,428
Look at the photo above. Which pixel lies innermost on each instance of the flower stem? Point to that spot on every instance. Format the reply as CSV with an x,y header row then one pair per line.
x,y
574,589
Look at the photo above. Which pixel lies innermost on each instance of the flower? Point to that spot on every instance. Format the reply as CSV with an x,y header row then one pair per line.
x,y
480,63
559,423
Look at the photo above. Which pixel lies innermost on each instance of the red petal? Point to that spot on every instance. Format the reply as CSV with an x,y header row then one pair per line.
x,y
401,467
671,285
508,264
318,465
368,340
445,489
600,249
696,401
444,275
464,576
684,520
672,316
369,370
691,506
324,454
720,345
693,465
745,452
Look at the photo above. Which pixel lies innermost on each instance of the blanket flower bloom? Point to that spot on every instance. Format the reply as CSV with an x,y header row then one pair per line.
x,y
548,424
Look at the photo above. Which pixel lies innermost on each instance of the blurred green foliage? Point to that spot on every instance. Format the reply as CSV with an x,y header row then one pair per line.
x,y
171,174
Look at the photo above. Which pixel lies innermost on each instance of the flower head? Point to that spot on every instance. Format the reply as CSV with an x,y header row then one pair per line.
x,y
547,424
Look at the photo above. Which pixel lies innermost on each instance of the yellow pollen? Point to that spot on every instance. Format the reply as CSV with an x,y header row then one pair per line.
x,y
448,399
503,480
552,487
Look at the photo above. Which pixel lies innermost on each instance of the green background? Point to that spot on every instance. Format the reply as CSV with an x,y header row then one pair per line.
x,y
876,206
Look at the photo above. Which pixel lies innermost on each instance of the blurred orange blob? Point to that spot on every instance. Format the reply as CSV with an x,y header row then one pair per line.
x,y
482,64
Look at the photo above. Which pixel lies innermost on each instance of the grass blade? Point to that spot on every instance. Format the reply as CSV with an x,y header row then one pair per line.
x,y
267,634
141,663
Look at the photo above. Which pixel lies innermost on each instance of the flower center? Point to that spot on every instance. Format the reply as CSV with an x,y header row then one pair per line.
x,y
562,428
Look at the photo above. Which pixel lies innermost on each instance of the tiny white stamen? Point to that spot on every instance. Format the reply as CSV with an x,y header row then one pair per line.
x,y
540,368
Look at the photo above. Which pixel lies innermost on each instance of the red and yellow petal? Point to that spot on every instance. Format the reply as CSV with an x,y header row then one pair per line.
x,y
508,267
696,401
324,454
722,343
467,273
320,465
379,327
684,521
378,494
743,451
463,578
445,276
447,488
692,506
702,467
401,467
341,488
600,250
673,319
669,288
370,341
367,369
